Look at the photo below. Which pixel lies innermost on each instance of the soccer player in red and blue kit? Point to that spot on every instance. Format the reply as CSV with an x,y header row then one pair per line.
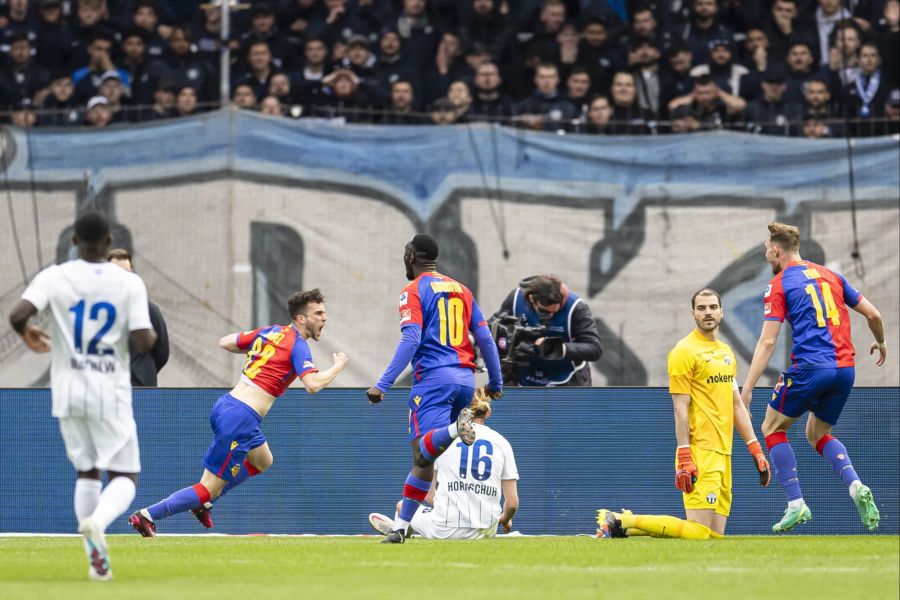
x,y
814,300
276,355
436,316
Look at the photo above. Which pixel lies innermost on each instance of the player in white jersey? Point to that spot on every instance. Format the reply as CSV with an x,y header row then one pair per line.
x,y
96,307
468,484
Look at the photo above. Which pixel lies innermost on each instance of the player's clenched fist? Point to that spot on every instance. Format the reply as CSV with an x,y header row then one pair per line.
x,y
340,360
375,395
686,470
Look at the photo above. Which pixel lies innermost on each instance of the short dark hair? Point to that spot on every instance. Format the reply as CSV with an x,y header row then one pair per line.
x,y
704,80
102,34
91,227
545,289
298,301
151,4
705,292
120,254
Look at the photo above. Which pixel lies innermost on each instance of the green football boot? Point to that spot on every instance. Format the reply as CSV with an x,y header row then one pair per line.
x,y
792,517
865,504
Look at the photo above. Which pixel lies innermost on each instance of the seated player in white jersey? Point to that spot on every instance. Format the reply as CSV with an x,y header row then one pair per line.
x,y
465,496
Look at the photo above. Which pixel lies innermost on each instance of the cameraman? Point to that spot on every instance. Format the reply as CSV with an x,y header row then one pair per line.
x,y
568,335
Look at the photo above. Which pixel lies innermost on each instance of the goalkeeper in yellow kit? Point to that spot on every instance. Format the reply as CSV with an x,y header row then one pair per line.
x,y
708,408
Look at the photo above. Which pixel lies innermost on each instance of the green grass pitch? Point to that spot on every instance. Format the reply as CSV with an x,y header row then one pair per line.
x,y
550,568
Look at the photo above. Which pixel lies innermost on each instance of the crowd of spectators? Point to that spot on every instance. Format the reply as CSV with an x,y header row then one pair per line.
x,y
807,68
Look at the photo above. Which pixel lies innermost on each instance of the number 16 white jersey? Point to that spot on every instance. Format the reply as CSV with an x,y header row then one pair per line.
x,y
94,307
469,481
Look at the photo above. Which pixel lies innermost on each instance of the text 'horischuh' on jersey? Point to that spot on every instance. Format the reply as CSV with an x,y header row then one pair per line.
x,y
277,354
705,370
445,311
814,300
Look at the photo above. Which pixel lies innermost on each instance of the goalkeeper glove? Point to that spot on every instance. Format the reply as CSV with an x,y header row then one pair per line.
x,y
762,465
686,470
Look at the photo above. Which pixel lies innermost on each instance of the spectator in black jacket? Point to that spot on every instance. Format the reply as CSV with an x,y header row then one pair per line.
x,y
600,55
489,103
562,356
134,62
490,28
706,107
146,18
54,36
628,118
392,66
265,30
25,77
703,28
547,108
401,108
187,67
59,108
418,34
771,114
145,366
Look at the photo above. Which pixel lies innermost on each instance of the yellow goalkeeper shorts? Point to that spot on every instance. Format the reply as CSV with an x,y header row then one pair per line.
x,y
713,487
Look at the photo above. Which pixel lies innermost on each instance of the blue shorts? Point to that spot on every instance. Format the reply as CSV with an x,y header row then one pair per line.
x,y
236,427
822,392
436,406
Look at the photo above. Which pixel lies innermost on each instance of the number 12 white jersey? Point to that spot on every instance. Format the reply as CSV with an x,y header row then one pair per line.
x,y
468,491
94,307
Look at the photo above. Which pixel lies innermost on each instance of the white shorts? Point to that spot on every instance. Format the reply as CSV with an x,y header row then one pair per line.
x,y
105,445
425,525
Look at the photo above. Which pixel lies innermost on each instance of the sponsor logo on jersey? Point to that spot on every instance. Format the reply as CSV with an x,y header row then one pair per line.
x,y
711,498
417,399
768,290
308,364
767,308
728,360
233,445
719,378
404,298
235,470
405,315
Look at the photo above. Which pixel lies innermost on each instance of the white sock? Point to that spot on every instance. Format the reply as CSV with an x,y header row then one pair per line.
x,y
401,525
115,500
854,487
87,495
796,503
453,431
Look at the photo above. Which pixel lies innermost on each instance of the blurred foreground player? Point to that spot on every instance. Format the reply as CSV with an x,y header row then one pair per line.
x,y
97,309
436,316
277,355
467,488
814,300
708,409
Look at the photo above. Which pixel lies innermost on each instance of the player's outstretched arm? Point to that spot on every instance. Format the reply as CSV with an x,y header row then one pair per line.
x,y
412,336
317,381
761,356
485,341
35,338
876,326
744,426
510,503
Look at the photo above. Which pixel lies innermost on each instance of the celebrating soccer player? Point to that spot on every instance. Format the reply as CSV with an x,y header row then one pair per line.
x,y
436,316
468,485
708,408
97,310
814,300
276,355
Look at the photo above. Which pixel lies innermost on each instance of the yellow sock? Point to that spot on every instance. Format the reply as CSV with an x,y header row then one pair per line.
x,y
668,527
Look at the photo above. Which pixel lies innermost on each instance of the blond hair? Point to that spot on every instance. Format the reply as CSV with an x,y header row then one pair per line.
x,y
786,236
481,403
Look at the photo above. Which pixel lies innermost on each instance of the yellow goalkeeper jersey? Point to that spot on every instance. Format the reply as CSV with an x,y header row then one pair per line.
x,y
706,372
